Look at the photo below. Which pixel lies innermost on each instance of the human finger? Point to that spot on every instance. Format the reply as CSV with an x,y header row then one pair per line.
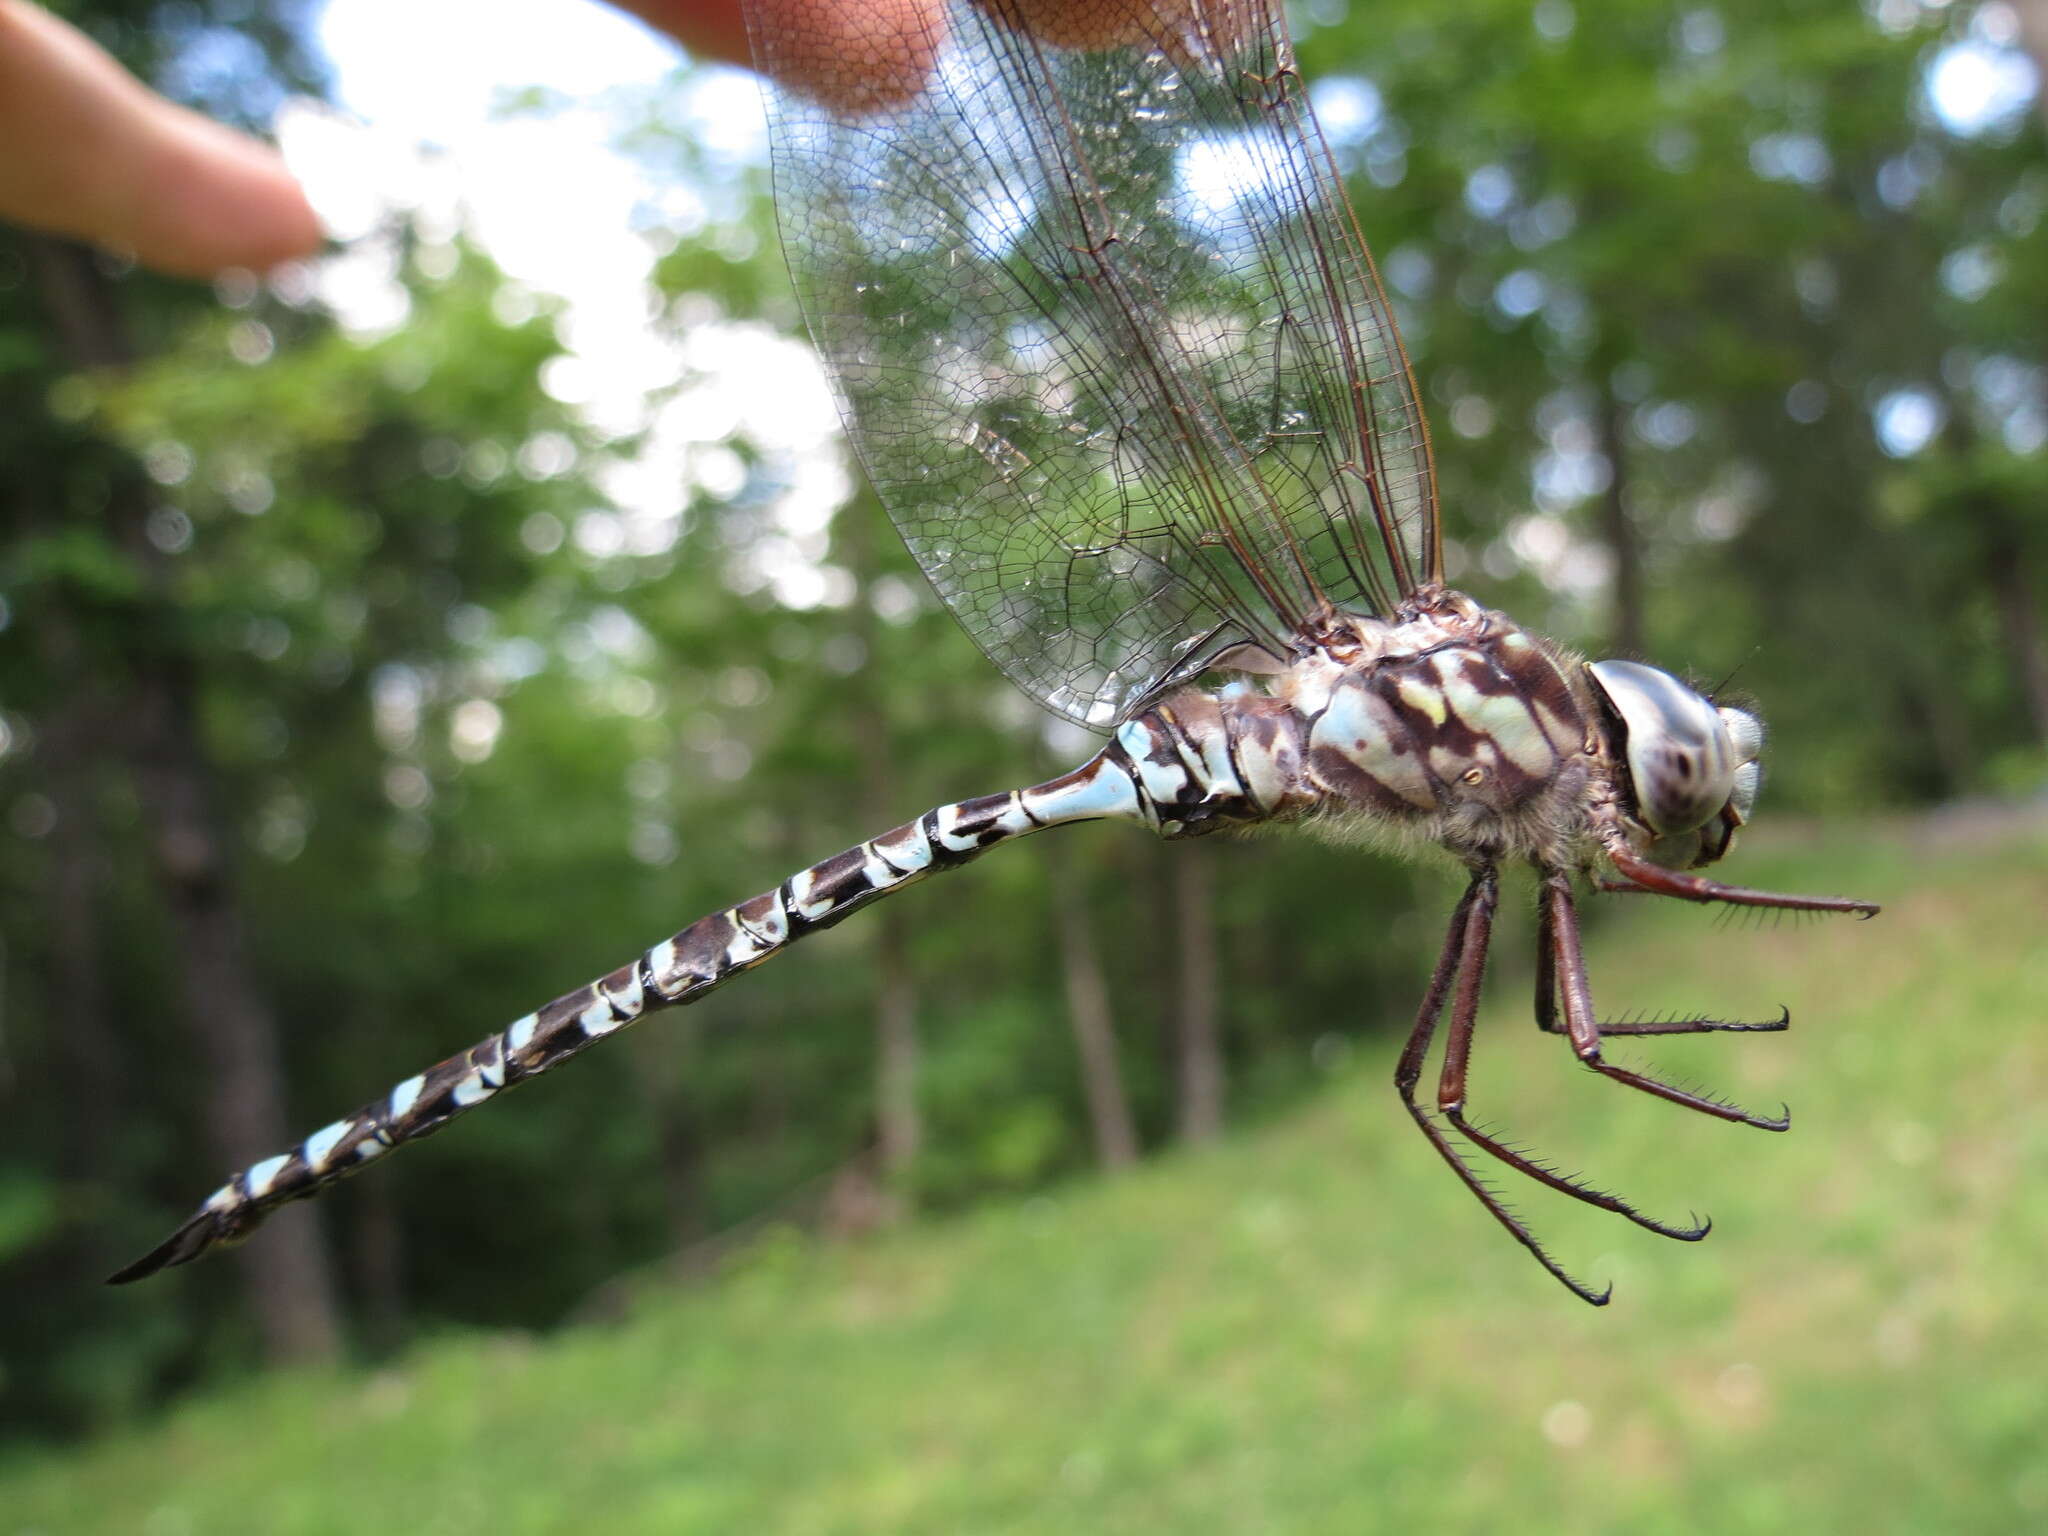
x,y
851,55
94,154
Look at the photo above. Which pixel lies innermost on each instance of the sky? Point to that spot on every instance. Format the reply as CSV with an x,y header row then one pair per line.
x,y
556,204
423,88
427,127
553,201
546,194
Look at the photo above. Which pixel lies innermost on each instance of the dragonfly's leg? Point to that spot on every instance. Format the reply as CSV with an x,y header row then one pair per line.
x,y
1697,1026
1641,874
1450,1096
1459,970
1409,1071
1546,970
1546,990
1569,962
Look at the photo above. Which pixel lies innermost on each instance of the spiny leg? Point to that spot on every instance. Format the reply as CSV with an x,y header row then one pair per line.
x,y
1566,967
1694,1026
1546,992
1450,1095
1463,964
1408,1072
1640,877
1654,879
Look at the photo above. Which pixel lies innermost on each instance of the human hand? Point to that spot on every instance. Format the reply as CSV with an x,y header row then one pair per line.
x,y
92,153
87,151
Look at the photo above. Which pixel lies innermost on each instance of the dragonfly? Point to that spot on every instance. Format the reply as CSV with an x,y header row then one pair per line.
x,y
1115,356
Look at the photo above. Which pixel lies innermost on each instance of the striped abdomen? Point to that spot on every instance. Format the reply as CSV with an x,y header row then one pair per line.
x,y
1167,771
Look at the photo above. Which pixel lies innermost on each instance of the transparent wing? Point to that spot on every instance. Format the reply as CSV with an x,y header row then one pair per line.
x,y
1106,336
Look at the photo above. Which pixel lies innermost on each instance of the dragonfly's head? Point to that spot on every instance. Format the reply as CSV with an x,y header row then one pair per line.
x,y
1687,768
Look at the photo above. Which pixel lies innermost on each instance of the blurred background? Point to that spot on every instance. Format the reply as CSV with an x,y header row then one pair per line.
x,y
393,643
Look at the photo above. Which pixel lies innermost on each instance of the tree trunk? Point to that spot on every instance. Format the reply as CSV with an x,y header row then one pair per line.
x,y
1102,1080
2033,18
662,1070
291,1289
290,1285
899,1130
1933,713
2012,590
1198,1039
86,1046
376,1261
1618,529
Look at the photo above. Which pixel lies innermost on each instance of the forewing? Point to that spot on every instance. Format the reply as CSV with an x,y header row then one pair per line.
x,y
1105,335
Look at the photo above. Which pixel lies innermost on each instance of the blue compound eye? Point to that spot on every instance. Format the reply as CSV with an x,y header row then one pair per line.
x,y
1681,756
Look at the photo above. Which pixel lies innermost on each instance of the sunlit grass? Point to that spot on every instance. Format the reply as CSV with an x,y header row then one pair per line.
x,y
1311,1328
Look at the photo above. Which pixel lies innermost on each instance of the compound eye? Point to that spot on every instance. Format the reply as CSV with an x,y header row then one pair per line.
x,y
1745,733
1679,783
1681,761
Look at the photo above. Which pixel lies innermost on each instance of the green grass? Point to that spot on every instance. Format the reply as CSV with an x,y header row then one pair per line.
x,y
1311,1328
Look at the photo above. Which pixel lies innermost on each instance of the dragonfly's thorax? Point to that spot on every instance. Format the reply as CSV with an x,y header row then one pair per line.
x,y
1455,721
1448,721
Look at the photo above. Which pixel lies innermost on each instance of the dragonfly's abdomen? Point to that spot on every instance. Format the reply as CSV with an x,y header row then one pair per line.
x,y
1174,781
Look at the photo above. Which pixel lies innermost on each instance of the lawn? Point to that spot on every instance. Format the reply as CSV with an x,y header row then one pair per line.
x,y
1310,1328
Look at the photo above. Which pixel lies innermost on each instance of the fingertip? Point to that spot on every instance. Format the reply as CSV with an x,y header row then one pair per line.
x,y
852,60
1101,24
214,199
88,152
710,29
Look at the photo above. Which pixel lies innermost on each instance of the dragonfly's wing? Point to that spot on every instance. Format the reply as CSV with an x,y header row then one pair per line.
x,y
1105,333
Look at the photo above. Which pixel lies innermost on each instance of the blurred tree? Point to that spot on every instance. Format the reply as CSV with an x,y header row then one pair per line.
x,y
1678,278
156,700
1198,1070
1090,1017
126,677
2033,27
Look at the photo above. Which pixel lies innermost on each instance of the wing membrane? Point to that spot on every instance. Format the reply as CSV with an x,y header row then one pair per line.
x,y
1106,337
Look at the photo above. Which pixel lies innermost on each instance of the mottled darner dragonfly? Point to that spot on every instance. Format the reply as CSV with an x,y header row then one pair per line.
x,y
1116,357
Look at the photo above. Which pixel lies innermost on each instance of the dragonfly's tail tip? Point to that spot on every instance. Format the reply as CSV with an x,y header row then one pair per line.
x,y
200,1235
158,1258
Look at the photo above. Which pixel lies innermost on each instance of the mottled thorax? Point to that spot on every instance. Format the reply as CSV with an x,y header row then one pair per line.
x,y
1447,720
